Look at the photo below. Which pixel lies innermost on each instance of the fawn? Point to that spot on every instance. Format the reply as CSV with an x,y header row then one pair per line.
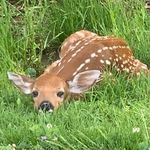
x,y
84,56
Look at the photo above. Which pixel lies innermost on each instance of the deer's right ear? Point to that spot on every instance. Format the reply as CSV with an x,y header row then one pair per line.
x,y
22,82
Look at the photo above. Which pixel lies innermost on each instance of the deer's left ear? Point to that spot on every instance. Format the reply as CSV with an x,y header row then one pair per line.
x,y
83,81
22,82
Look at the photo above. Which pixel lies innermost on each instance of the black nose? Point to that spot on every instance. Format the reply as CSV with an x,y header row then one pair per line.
x,y
46,106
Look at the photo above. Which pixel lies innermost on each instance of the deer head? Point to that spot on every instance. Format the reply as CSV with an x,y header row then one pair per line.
x,y
49,91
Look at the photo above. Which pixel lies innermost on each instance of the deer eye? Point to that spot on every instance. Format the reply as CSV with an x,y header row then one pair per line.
x,y
60,94
35,93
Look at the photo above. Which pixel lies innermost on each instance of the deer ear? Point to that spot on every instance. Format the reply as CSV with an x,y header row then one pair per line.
x,y
22,82
83,81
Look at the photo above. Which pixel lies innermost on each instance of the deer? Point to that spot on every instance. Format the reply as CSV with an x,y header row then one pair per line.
x,y
84,57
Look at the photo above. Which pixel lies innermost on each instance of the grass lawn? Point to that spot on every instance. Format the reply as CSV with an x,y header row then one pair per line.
x,y
112,116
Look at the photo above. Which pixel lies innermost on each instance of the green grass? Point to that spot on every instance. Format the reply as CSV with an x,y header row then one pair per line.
x,y
113,116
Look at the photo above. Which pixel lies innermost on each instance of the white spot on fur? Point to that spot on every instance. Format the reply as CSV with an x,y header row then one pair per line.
x,y
111,48
86,68
74,73
117,59
87,61
82,47
73,55
60,69
102,61
105,48
120,58
86,43
99,51
108,62
78,50
93,55
122,65
80,67
118,69
125,62
124,55
114,47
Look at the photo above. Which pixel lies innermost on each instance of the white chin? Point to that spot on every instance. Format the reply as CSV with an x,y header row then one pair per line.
x,y
50,111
